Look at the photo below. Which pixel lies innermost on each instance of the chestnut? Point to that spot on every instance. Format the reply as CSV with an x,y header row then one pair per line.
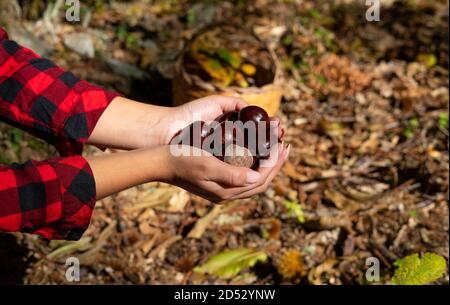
x,y
223,134
239,156
268,141
230,139
190,135
230,133
253,113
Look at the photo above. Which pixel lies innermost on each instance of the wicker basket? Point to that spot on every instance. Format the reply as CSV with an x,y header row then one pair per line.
x,y
187,87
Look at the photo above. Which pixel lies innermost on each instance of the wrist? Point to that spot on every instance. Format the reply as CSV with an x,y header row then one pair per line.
x,y
157,130
161,164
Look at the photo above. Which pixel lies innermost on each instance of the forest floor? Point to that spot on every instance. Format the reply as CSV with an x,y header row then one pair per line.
x,y
365,106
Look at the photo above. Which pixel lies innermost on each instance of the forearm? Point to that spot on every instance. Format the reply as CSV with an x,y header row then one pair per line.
x,y
127,124
116,172
45,100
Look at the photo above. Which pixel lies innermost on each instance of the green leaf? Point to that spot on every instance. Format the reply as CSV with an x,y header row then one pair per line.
x,y
443,120
315,13
294,210
412,213
231,58
429,60
414,123
122,32
191,17
319,33
287,40
321,79
408,133
230,262
411,270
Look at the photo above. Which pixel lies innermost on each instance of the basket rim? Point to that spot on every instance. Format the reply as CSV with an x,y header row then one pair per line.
x,y
180,71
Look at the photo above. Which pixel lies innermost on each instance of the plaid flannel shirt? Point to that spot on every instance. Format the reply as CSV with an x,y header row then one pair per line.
x,y
52,198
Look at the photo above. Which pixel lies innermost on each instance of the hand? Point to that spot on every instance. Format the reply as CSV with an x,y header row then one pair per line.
x,y
212,179
206,109
127,124
203,109
198,172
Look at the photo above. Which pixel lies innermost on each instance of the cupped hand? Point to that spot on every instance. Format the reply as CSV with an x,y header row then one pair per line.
x,y
203,174
204,109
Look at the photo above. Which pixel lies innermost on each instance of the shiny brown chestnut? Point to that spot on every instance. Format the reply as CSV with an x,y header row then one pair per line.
x,y
230,133
253,113
193,134
230,139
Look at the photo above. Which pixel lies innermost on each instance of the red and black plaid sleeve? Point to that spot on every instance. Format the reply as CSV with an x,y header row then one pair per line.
x,y
53,198
47,101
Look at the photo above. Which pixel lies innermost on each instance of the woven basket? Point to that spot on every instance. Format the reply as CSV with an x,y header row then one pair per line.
x,y
187,87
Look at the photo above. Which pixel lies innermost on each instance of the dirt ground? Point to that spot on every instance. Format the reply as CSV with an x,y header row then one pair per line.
x,y
365,106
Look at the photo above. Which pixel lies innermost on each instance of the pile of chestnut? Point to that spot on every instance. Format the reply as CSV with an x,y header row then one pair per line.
x,y
241,138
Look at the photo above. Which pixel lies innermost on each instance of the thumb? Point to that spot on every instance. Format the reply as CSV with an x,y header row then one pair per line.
x,y
230,175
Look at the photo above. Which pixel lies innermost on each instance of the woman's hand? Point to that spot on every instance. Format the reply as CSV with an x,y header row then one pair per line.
x,y
128,124
204,109
194,170
202,174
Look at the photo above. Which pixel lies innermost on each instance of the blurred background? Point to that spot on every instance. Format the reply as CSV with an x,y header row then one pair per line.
x,y
365,106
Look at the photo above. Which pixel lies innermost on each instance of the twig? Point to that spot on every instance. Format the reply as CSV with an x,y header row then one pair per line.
x,y
201,225
158,251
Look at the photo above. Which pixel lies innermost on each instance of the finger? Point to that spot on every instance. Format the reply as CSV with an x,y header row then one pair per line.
x,y
230,103
207,190
240,104
229,175
266,184
275,119
257,178
265,173
233,193
281,132
274,155
275,122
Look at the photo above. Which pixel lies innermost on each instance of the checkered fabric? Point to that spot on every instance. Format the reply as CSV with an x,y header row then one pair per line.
x,y
53,198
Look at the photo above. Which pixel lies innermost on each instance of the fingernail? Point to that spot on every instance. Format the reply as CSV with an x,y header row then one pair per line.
x,y
288,149
281,149
253,177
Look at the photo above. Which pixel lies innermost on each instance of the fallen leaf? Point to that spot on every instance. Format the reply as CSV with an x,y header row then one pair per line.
x,y
248,69
412,270
230,262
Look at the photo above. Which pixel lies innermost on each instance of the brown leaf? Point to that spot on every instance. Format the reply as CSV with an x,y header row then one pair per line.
x,y
342,202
